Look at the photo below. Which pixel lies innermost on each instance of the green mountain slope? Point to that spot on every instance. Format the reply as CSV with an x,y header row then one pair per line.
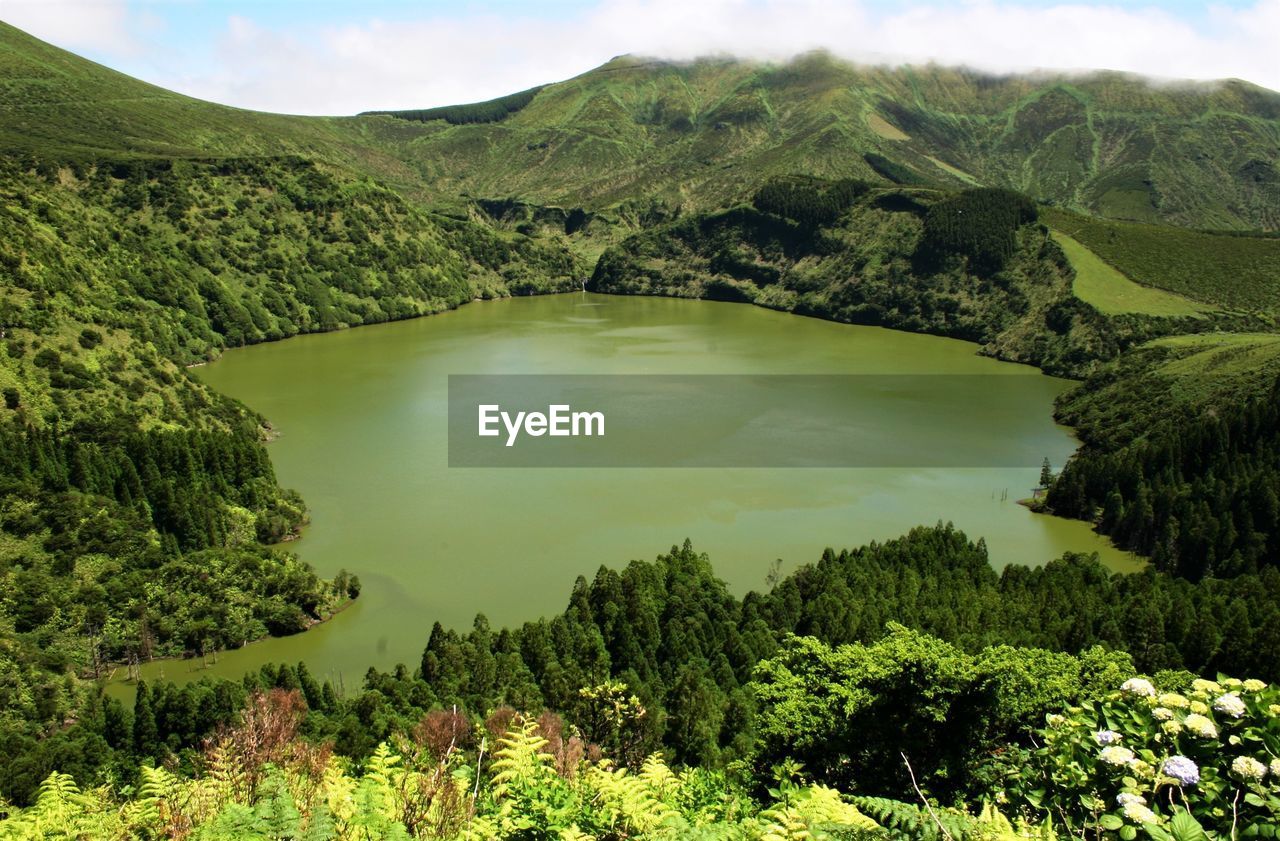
x,y
702,134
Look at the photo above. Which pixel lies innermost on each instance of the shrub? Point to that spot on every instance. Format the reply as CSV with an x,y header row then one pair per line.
x,y
1139,756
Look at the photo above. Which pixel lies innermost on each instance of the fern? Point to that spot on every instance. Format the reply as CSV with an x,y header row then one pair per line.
x,y
627,802
814,813
909,821
277,812
377,805
227,779
520,759
531,798
660,779
61,810
154,803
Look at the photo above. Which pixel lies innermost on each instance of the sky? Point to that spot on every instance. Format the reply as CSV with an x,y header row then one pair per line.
x,y
329,57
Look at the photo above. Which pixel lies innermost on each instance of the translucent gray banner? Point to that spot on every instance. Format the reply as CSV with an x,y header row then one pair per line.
x,y
753,421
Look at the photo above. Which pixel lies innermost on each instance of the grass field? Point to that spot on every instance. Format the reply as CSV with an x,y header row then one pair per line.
x,y
1230,272
1209,360
1111,293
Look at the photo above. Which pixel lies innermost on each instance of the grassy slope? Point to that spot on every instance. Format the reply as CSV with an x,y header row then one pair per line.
x,y
1233,272
1111,293
60,106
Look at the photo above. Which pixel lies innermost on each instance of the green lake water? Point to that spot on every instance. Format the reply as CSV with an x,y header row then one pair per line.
x,y
361,416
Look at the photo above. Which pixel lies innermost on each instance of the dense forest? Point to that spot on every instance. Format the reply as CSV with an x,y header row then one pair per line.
x,y
671,634
1199,493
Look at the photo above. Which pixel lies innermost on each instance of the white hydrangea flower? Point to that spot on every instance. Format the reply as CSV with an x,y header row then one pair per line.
x,y
1162,713
1124,798
1116,755
1206,687
1173,728
1254,685
1231,705
1107,737
1173,701
1138,813
1199,707
1274,709
1248,768
1138,686
1275,768
1055,720
1201,726
1232,682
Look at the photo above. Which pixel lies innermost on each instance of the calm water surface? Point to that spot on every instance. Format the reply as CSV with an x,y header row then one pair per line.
x,y
361,415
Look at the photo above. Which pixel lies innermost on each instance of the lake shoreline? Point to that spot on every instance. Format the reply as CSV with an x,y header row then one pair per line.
x,y
515,334
112,680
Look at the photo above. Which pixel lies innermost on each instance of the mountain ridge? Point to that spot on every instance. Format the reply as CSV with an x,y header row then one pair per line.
x,y
702,134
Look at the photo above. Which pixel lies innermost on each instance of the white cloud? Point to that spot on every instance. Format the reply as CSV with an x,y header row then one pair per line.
x,y
368,64
96,25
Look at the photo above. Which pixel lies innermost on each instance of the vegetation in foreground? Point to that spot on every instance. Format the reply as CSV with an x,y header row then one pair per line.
x,y
914,646
1193,762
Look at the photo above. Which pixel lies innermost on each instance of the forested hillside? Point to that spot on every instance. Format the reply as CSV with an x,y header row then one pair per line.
x,y
135,503
1181,460
971,264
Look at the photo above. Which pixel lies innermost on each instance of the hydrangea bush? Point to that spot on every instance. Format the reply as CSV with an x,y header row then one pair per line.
x,y
1152,762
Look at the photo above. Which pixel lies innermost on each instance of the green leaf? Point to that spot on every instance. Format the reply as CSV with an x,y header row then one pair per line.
x,y
1187,828
1111,822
